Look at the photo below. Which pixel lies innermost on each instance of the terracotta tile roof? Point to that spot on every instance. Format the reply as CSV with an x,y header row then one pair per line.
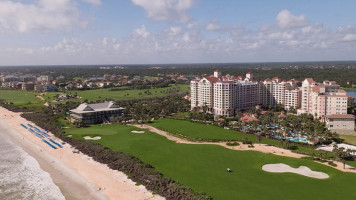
x,y
282,115
247,118
275,78
316,89
212,79
310,80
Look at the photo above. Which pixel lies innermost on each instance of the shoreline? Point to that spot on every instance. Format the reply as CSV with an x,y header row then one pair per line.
x,y
78,176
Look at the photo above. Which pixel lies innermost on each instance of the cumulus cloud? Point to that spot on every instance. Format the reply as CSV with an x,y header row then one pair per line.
x,y
189,43
285,19
212,27
39,16
349,37
166,10
94,2
142,32
174,30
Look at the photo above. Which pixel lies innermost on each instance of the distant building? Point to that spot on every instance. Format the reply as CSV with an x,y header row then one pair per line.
x,y
340,123
28,86
44,79
19,85
50,88
10,78
28,78
39,87
96,113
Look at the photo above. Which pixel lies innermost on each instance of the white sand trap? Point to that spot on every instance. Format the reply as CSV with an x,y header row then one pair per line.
x,y
92,138
137,131
302,170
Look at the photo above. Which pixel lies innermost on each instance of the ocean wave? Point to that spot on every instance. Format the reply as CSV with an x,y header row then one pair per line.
x,y
21,176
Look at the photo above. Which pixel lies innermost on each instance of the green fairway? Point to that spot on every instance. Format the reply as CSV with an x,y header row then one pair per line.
x,y
201,131
196,131
102,94
203,167
20,97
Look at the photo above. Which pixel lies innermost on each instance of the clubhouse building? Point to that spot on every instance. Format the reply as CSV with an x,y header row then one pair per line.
x,y
96,113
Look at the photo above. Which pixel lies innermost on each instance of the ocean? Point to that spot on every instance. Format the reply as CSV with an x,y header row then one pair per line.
x,y
21,176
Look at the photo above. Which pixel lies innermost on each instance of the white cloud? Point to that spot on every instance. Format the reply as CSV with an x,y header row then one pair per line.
x,y
174,30
142,32
40,16
166,10
94,2
190,43
349,37
212,27
285,19
280,36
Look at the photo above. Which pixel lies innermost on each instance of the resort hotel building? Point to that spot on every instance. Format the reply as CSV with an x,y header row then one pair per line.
x,y
96,113
322,99
224,95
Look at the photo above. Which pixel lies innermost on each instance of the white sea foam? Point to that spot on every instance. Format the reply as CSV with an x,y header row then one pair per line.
x,y
21,176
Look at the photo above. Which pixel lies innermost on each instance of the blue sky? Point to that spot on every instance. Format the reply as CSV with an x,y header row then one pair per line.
x,y
49,32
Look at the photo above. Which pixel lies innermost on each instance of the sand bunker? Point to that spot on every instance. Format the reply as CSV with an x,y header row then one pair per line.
x,y
92,138
137,131
302,170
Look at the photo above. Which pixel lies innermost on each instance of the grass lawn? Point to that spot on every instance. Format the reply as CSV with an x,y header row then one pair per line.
x,y
96,94
202,167
20,97
181,114
65,123
348,88
349,139
199,131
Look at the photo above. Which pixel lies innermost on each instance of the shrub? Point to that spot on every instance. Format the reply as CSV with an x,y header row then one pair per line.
x,y
332,163
232,144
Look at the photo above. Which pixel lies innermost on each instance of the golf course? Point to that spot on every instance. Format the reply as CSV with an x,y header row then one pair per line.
x,y
122,94
20,97
203,167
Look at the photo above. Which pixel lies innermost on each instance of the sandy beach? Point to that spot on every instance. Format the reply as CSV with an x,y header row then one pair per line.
x,y
77,175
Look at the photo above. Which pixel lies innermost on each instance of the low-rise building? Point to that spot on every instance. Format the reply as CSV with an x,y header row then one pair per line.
x,y
340,123
96,113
